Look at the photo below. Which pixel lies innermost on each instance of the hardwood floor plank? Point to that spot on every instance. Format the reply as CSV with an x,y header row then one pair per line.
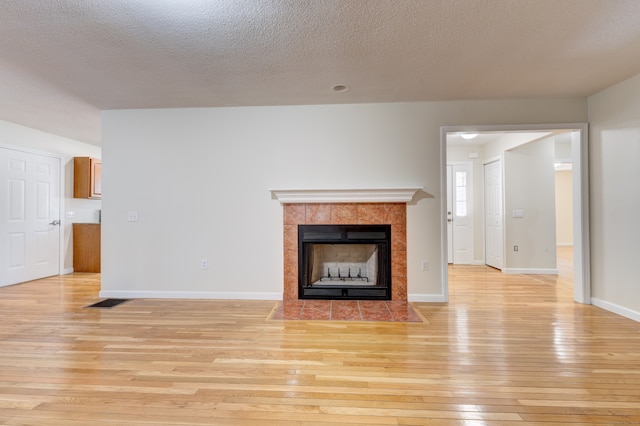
x,y
506,350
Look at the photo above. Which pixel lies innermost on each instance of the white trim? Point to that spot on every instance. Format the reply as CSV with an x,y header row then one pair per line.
x,y
67,271
208,295
478,263
372,195
429,298
530,271
31,151
581,248
492,159
444,247
616,309
564,244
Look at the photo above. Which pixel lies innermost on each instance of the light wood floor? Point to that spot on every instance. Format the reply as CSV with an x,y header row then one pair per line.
x,y
506,350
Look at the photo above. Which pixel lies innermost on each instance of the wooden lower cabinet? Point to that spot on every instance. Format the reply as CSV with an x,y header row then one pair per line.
x,y
86,247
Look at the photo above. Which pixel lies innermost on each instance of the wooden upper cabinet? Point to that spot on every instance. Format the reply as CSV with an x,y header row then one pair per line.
x,y
87,178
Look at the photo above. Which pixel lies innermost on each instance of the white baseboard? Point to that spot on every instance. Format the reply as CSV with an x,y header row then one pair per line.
x,y
478,263
205,295
616,309
430,298
67,271
564,244
530,271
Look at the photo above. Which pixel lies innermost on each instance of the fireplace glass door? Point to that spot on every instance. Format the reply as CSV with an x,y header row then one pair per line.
x,y
344,261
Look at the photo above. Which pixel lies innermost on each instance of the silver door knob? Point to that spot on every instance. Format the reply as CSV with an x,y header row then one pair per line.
x,y
55,222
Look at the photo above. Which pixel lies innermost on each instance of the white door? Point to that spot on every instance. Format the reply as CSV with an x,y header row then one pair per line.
x,y
493,214
29,216
460,213
449,213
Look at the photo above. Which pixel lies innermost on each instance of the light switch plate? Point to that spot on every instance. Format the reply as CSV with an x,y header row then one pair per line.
x,y
132,216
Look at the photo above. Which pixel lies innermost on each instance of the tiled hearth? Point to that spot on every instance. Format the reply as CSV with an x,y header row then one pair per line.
x,y
345,310
342,214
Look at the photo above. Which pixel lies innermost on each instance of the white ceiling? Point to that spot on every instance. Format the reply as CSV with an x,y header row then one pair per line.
x,y
62,61
487,137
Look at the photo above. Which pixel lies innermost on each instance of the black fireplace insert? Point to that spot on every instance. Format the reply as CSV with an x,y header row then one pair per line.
x,y
344,262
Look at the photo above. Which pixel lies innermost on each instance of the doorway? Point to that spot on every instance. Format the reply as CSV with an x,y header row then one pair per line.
x,y
30,222
579,140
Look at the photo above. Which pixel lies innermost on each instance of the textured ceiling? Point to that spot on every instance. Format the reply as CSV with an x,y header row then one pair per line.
x,y
63,61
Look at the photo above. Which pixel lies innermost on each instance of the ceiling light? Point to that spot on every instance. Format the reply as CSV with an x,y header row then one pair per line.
x,y
563,167
468,135
339,88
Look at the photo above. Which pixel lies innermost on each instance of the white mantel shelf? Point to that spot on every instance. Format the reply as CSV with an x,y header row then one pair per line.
x,y
374,195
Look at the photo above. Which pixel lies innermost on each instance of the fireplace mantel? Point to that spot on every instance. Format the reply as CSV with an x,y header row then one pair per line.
x,y
371,195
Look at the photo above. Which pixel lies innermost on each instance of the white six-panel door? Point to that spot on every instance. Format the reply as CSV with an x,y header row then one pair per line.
x,y
493,214
29,216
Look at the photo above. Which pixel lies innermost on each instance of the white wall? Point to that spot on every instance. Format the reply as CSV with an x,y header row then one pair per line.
x,y
564,208
200,178
614,116
564,153
85,210
529,180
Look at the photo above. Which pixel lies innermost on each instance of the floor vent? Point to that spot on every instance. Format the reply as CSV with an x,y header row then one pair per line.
x,y
108,303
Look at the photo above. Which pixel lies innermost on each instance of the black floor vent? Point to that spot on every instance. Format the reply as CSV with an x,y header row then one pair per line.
x,y
108,303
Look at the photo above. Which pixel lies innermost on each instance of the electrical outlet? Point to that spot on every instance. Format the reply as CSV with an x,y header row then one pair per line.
x,y
515,248
204,264
132,216
424,265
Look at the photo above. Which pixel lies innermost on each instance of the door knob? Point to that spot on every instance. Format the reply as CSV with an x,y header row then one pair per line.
x,y
55,222
449,220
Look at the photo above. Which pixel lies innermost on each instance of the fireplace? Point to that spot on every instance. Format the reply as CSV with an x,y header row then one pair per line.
x,y
394,214
342,207
344,262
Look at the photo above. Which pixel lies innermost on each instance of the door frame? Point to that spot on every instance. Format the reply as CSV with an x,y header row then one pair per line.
x,y
61,204
580,159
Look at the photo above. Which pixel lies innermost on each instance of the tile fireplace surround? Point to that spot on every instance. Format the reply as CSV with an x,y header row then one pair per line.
x,y
341,214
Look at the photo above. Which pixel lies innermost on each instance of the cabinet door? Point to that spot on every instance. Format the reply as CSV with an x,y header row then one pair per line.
x,y
87,178
86,247
96,178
